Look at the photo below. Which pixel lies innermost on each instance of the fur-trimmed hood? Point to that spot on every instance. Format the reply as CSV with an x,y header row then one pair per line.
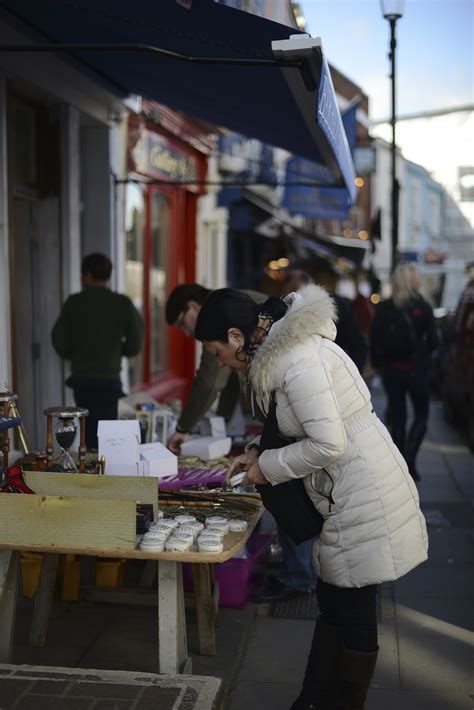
x,y
311,312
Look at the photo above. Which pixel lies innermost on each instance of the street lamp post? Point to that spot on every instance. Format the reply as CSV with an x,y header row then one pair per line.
x,y
392,11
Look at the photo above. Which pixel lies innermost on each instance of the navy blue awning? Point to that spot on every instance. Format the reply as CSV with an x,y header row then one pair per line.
x,y
253,100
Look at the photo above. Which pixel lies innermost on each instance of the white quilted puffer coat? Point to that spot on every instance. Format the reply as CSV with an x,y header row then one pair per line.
x,y
374,530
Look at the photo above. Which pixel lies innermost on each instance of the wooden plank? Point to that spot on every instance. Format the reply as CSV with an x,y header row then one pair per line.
x,y
44,600
8,592
138,488
172,642
205,610
232,544
56,524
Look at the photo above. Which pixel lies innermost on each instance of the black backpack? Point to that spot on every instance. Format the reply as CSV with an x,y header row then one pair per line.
x,y
399,341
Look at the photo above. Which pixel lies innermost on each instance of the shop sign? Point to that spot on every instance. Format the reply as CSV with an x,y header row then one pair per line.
x,y
156,157
317,202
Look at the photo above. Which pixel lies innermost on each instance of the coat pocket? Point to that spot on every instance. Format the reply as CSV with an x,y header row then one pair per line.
x,y
322,484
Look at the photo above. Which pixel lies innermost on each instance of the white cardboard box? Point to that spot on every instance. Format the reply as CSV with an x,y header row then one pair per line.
x,y
212,426
206,447
119,442
157,460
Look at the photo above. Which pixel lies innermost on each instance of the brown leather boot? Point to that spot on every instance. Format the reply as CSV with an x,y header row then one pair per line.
x,y
355,673
320,685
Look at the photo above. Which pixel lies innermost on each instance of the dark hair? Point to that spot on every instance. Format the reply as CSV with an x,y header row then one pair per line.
x,y
228,308
179,298
98,266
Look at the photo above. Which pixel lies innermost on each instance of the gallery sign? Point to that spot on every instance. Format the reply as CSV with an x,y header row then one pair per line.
x,y
155,156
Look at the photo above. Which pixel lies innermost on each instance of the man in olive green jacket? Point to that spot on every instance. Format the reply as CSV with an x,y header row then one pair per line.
x,y
95,328
182,309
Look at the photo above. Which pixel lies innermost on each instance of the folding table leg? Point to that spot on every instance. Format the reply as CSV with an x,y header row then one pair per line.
x,y
8,589
44,599
203,581
172,643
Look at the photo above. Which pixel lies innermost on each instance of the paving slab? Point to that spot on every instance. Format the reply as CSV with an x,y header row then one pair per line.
x,y
417,700
42,688
433,654
277,649
255,695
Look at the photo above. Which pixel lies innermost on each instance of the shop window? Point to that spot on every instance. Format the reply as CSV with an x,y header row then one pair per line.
x,y
135,220
159,259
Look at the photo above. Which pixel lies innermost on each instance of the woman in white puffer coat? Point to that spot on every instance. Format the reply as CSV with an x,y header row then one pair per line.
x,y
373,528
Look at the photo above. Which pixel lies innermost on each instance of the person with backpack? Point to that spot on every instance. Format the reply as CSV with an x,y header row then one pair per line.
x,y
402,337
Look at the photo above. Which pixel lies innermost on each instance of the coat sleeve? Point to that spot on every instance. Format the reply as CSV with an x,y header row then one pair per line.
x,y
133,332
376,339
61,335
349,336
210,379
432,333
308,387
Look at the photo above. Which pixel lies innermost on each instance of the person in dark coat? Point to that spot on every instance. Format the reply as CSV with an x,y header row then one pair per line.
x,y
95,329
402,338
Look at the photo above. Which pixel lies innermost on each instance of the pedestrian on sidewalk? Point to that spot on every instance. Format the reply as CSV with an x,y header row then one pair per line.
x,y
373,529
95,329
402,338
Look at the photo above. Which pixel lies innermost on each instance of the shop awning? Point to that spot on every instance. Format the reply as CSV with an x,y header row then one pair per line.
x,y
293,107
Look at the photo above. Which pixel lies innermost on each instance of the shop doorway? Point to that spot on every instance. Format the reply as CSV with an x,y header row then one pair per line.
x,y
35,267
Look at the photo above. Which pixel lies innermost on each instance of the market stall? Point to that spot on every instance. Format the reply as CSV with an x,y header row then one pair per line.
x,y
60,524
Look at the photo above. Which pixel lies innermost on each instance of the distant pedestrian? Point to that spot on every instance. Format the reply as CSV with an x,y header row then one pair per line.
x,y
95,328
402,337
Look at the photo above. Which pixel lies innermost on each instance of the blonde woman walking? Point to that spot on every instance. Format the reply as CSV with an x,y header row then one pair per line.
x,y
402,338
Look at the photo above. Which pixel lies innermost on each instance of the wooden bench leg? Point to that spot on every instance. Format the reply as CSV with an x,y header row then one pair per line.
x,y
44,599
148,575
206,607
8,589
172,642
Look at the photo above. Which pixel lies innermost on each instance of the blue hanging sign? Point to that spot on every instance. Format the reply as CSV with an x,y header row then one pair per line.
x,y
329,120
317,202
314,202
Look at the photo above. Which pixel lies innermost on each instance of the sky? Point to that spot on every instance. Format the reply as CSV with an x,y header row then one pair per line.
x,y
435,50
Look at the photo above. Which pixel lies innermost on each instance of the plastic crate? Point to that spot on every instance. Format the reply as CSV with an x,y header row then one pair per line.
x,y
239,576
30,572
109,572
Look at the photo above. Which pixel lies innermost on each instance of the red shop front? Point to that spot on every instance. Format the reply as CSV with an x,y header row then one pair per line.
x,y
161,239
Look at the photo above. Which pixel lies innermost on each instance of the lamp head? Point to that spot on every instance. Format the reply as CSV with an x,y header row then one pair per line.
x,y
392,9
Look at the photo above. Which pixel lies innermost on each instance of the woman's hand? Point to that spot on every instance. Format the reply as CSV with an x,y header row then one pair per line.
x,y
242,463
254,475
247,462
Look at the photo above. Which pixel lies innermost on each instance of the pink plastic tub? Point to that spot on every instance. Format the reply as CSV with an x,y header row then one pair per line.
x,y
238,577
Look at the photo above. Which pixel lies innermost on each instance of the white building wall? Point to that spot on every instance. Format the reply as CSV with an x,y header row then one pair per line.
x,y
59,221
211,236
5,339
